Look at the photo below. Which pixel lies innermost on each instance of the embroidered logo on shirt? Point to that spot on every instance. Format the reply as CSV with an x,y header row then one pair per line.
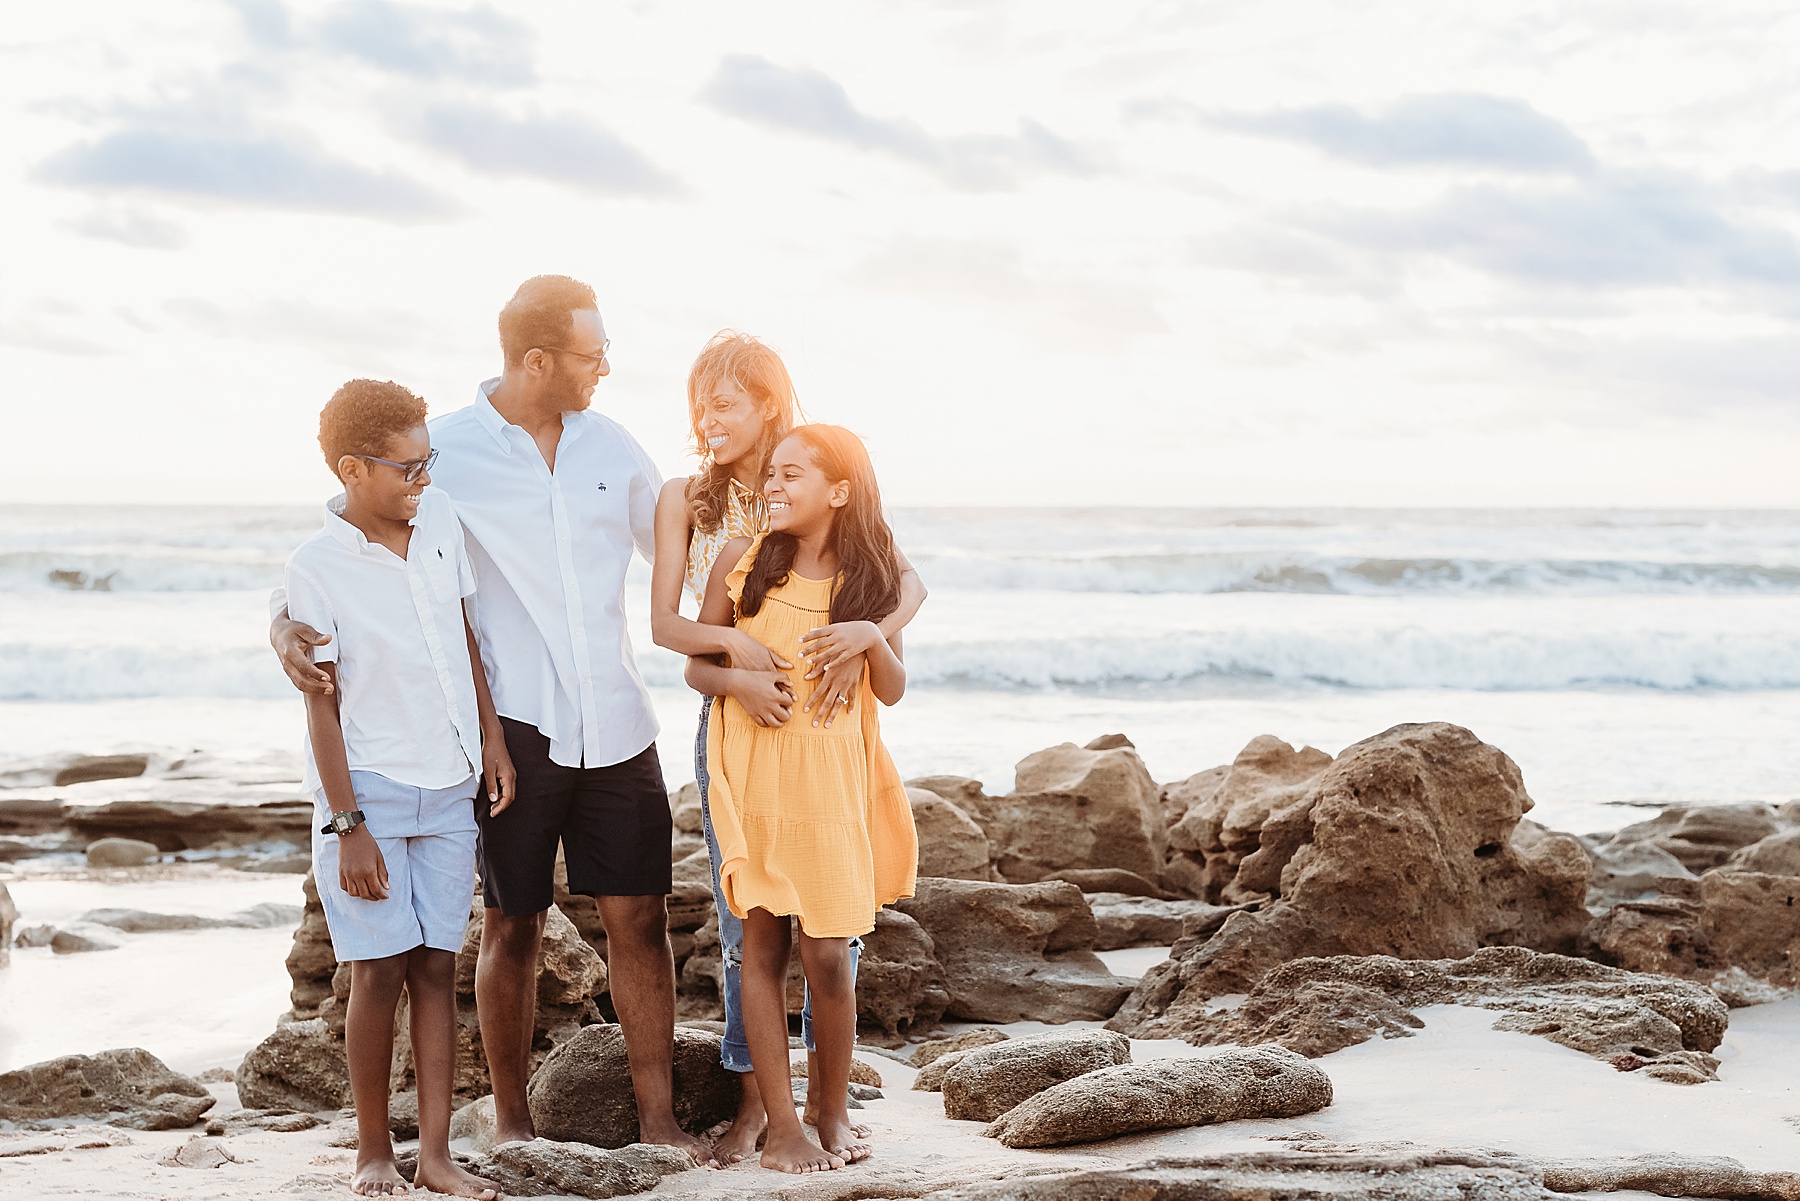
x,y
602,487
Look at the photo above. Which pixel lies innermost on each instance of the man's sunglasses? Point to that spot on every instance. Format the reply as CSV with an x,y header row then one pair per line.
x,y
605,346
413,470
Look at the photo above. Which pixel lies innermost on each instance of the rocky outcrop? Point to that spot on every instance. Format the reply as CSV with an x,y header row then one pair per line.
x,y
1727,923
1703,837
1012,952
900,986
582,1092
987,1081
1776,855
1665,1027
121,852
300,1066
1113,880
1403,846
1228,807
926,1054
952,845
126,1087
1246,1082
310,961
543,1167
80,938
263,916
1135,921
1072,807
1628,871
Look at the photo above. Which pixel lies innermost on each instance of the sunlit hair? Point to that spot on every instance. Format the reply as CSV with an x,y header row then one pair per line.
x,y
868,584
366,417
731,357
541,314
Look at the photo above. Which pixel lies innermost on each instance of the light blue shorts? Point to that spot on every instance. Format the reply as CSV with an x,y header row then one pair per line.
x,y
427,838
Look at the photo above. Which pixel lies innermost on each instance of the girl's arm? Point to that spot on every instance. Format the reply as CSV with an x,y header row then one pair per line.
x,y
362,872
766,694
887,671
496,761
668,628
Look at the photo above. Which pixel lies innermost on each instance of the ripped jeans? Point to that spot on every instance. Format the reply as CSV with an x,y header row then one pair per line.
x,y
734,1054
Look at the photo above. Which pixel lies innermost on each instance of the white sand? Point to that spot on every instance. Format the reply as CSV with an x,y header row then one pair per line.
x,y
1455,1083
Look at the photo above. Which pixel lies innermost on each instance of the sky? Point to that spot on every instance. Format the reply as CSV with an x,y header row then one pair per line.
x,y
1165,254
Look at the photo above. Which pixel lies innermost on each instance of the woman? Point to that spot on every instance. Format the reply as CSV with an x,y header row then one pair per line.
x,y
741,404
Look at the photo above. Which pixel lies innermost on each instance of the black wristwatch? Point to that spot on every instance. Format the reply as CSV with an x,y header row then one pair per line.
x,y
342,823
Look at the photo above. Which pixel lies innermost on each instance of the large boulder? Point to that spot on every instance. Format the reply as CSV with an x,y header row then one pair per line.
x,y
900,986
1629,871
311,962
543,1167
951,843
1223,822
1404,846
987,1081
1072,807
1013,952
1703,836
1776,855
1725,927
1244,1082
1632,1020
125,1087
301,1066
582,1093
1133,921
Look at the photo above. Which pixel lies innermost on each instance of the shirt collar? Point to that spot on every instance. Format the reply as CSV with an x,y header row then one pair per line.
x,y
489,416
346,533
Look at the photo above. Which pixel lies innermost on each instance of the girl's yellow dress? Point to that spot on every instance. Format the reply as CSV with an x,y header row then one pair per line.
x,y
811,821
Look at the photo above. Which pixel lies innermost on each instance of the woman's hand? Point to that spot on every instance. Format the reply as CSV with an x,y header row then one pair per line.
x,y
767,696
749,654
497,771
362,872
837,690
828,645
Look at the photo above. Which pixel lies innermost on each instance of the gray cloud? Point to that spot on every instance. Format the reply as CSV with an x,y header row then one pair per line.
x,y
130,227
1449,128
800,100
477,46
563,148
276,169
369,334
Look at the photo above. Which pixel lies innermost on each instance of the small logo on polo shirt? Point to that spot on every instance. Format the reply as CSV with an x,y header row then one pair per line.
x,y
602,487
440,552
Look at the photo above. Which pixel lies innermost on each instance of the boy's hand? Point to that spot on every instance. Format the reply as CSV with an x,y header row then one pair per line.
x,y
829,645
497,773
362,872
767,696
293,642
837,690
749,654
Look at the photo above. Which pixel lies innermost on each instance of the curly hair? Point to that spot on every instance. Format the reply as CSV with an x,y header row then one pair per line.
x,y
736,358
868,582
364,417
541,314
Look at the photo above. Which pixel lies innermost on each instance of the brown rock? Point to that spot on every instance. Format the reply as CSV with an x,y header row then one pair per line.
x,y
1404,846
900,986
1776,855
1075,808
1244,1082
1013,952
542,1167
1704,836
124,1087
961,791
81,938
1110,879
1135,921
1224,824
1180,797
987,1081
300,1066
1729,920
1628,871
951,843
121,852
311,963
684,809
931,1052
199,1152
1317,1006
582,1093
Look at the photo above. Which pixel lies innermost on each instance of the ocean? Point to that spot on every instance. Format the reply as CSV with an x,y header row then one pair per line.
x,y
1622,658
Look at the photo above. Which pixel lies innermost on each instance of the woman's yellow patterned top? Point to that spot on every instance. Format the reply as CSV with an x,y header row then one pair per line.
x,y
746,515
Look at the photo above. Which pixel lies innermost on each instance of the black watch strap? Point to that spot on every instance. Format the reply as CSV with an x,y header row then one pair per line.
x,y
342,823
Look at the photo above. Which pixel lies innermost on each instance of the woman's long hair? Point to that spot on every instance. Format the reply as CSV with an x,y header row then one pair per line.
x,y
732,357
868,584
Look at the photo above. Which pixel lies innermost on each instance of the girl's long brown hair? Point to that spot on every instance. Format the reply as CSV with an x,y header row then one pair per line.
x,y
732,357
868,584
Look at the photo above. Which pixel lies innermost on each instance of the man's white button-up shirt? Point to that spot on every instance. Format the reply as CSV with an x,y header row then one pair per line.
x,y
406,689
550,549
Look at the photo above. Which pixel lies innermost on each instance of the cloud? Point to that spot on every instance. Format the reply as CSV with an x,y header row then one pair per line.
x,y
309,324
276,169
563,148
1071,310
130,227
800,100
31,331
1447,129
477,45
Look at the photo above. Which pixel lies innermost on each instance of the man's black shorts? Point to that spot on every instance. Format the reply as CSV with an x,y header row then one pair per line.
x,y
613,823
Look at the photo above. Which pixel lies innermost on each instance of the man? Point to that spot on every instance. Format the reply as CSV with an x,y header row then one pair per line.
x,y
552,497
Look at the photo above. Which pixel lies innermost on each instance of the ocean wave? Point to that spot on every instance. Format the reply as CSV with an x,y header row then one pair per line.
x,y
184,570
1402,658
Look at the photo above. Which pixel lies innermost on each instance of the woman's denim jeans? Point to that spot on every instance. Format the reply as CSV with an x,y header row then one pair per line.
x,y
735,1053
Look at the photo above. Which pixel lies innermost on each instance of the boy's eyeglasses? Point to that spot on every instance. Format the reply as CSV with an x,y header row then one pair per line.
x,y
605,345
413,470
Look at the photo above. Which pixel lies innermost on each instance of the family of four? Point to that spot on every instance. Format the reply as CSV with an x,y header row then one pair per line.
x,y
472,705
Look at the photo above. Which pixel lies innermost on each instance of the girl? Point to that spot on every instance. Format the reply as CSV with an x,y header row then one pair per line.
x,y
811,821
741,403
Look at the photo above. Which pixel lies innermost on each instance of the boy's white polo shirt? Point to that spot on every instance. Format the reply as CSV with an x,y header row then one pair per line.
x,y
406,689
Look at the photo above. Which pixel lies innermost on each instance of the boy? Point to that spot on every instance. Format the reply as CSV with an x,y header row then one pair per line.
x,y
393,752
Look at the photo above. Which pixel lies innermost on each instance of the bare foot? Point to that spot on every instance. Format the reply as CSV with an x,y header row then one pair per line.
x,y
844,1140
797,1154
514,1134
739,1143
451,1180
378,1177
811,1117
667,1134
